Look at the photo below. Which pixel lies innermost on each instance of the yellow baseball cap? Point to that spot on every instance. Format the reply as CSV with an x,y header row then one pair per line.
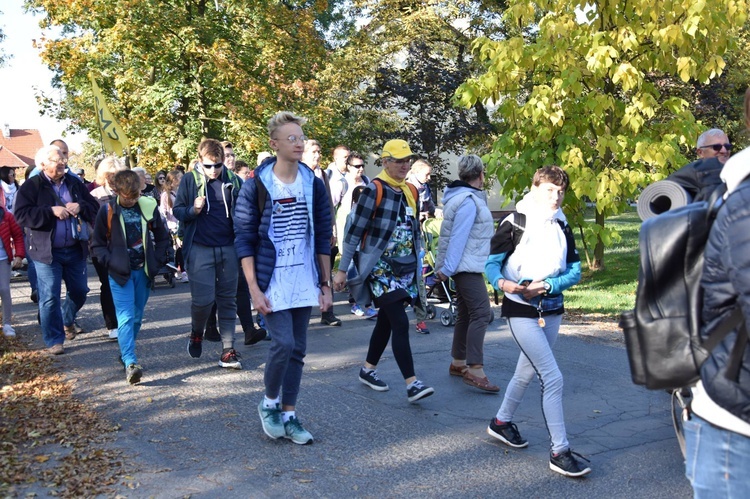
x,y
397,149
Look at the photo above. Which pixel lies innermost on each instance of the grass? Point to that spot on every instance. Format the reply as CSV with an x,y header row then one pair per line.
x,y
612,290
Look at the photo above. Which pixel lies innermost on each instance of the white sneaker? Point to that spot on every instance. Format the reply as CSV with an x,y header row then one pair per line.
x,y
8,331
178,276
185,277
112,333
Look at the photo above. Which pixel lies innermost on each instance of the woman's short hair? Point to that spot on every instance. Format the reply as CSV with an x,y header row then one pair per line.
x,y
5,172
127,183
552,174
107,165
283,118
211,148
470,167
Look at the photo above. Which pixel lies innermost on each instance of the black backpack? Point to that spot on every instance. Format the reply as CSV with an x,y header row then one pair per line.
x,y
662,333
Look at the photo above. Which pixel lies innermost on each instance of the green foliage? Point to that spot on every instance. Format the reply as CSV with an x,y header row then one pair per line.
x,y
584,94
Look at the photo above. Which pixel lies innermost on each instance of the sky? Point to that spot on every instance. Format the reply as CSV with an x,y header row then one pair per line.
x,y
23,74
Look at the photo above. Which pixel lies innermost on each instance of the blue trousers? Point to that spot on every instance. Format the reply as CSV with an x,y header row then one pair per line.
x,y
69,265
717,461
288,330
130,300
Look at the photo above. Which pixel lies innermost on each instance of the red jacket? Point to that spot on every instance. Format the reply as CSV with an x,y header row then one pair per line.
x,y
9,229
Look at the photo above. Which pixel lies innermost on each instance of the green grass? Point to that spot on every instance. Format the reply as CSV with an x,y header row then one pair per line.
x,y
612,290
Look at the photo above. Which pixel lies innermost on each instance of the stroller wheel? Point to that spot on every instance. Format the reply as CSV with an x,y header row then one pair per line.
x,y
430,312
446,318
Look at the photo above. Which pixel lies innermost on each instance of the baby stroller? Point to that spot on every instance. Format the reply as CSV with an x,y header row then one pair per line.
x,y
446,291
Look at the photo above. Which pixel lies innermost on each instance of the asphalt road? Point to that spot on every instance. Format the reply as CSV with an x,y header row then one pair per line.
x,y
192,429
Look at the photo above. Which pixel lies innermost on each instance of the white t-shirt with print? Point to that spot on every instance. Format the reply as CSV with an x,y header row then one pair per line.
x,y
293,283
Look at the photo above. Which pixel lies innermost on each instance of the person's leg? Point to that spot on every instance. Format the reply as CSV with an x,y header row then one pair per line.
x,y
49,284
280,324
244,304
141,292
105,296
716,460
31,274
5,294
227,271
293,374
202,286
458,348
399,322
536,347
76,283
381,333
474,294
124,298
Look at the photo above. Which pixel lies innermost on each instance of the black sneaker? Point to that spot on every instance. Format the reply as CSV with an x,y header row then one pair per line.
x,y
371,379
230,359
195,347
507,433
566,464
133,373
254,335
417,391
329,319
212,334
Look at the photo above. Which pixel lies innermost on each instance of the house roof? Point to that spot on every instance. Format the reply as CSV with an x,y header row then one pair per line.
x,y
20,147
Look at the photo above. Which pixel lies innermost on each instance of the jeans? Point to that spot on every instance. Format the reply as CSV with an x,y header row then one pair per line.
x,y
69,265
130,300
213,278
31,273
288,330
537,359
716,461
474,315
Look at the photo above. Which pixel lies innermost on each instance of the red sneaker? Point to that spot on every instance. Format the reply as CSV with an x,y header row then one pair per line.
x,y
422,328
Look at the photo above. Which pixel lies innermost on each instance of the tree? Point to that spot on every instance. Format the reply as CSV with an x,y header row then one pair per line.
x,y
3,56
176,71
586,90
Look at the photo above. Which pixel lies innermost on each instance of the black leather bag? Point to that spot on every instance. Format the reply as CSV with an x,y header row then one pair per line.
x,y
402,265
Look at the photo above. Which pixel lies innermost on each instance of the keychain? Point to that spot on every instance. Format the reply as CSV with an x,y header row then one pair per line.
x,y
541,320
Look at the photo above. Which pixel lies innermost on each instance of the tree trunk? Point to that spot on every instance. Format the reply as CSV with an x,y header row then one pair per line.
x,y
598,263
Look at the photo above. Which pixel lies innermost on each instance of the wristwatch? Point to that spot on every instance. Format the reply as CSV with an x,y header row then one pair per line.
x,y
547,287
322,284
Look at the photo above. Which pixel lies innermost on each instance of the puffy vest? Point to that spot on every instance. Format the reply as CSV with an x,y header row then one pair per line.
x,y
478,245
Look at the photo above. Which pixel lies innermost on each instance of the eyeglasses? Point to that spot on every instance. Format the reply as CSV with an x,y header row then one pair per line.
x,y
230,155
717,147
209,166
405,161
292,139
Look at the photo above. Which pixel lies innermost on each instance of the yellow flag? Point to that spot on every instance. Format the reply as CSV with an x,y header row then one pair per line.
x,y
113,137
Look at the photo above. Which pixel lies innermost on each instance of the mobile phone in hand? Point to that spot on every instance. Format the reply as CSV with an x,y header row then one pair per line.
x,y
525,282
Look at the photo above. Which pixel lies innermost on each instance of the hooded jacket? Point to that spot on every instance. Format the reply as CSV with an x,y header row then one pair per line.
x,y
9,229
726,285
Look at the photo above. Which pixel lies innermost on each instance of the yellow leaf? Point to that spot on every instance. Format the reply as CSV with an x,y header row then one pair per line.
x,y
41,458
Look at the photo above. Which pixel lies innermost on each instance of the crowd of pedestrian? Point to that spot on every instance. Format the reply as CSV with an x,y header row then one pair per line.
x,y
267,238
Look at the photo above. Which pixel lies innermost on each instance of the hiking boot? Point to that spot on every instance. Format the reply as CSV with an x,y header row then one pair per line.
x,y
230,359
417,390
507,433
296,433
566,464
212,334
422,328
371,379
271,421
195,347
254,335
133,373
329,319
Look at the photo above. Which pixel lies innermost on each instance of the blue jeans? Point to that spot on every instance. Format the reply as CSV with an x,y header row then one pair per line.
x,y
69,265
537,360
130,300
288,330
717,460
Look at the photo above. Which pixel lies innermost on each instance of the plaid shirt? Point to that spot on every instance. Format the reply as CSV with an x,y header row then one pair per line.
x,y
378,228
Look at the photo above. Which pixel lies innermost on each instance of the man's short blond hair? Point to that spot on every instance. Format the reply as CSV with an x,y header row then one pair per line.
x,y
283,118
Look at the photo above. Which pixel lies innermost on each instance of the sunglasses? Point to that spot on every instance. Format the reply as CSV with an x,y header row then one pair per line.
x,y
357,166
717,147
209,167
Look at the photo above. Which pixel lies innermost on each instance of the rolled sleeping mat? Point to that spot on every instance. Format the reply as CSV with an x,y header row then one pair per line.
x,y
660,197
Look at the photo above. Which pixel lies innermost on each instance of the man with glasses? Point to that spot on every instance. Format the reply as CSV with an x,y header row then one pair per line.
x,y
701,177
205,204
229,157
53,208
